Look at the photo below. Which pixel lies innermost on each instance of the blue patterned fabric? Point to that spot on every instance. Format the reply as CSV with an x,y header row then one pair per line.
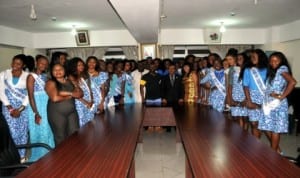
x,y
85,114
277,120
41,133
129,89
18,126
248,79
238,94
216,98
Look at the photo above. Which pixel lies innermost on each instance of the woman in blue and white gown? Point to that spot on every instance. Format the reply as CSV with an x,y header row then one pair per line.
x,y
13,94
39,129
236,93
216,81
280,83
129,88
85,106
254,85
98,80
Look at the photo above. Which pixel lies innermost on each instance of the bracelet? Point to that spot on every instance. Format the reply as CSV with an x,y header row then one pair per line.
x,y
21,108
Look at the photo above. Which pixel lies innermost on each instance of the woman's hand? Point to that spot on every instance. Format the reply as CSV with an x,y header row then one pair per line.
x,y
37,118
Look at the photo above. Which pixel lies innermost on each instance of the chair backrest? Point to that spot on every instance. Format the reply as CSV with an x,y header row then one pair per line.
x,y
8,152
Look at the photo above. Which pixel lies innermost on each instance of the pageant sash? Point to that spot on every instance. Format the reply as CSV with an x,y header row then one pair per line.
x,y
258,80
218,84
38,80
84,86
16,94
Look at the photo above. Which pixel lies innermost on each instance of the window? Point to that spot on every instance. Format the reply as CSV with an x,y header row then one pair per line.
x,y
114,53
181,51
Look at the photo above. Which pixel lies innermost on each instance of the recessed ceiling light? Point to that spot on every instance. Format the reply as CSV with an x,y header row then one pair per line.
x,y
53,18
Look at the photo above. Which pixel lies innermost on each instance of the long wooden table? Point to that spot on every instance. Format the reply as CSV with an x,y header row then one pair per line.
x,y
217,147
103,148
214,146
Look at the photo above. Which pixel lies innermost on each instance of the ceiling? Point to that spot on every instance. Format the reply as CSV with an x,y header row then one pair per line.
x,y
103,14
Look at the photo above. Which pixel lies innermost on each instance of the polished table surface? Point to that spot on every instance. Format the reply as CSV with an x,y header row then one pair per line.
x,y
215,147
103,148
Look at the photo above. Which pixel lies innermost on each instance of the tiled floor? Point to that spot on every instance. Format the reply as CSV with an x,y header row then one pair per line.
x,y
159,156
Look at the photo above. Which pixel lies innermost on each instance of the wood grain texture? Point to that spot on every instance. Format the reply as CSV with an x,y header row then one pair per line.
x,y
217,147
103,148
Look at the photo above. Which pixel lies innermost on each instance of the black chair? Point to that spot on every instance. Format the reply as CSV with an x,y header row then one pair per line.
x,y
10,164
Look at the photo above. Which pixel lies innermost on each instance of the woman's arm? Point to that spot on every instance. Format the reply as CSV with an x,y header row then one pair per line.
x,y
289,88
54,95
30,89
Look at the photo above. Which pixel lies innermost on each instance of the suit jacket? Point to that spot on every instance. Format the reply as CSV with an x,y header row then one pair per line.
x,y
172,93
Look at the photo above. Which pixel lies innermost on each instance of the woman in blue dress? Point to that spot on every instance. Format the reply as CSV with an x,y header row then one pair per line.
x,y
129,90
39,129
78,75
236,95
117,84
215,79
98,80
13,94
280,83
254,86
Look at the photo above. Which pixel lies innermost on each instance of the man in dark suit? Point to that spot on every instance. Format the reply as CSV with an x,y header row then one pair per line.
x,y
172,87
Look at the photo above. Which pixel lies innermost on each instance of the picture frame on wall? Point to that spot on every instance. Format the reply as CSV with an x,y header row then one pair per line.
x,y
212,36
82,38
148,50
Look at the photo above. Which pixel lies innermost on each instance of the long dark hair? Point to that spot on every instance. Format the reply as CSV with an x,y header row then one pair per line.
x,y
97,67
283,62
183,72
246,64
72,68
262,59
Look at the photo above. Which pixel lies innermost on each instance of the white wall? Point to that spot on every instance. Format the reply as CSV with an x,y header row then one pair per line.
x,y
97,38
14,37
291,50
196,36
33,52
6,55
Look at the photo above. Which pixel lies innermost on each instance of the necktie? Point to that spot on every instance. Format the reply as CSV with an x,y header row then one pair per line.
x,y
172,80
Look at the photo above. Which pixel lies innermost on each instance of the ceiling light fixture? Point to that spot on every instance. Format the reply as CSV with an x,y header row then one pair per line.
x,y
222,28
255,2
32,13
73,31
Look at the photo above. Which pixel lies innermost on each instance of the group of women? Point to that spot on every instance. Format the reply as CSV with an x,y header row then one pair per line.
x,y
52,105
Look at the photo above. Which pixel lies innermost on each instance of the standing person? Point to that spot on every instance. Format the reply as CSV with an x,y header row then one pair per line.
x,y
129,89
39,129
13,94
58,58
216,81
99,79
61,111
171,85
117,83
137,76
190,84
152,82
280,84
85,106
254,86
236,95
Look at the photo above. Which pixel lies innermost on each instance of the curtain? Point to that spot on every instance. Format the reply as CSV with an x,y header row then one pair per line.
x,y
166,51
83,53
131,52
222,49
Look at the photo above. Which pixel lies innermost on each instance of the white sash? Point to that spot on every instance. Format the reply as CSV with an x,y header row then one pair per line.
x,y
38,80
84,86
16,94
218,84
258,80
